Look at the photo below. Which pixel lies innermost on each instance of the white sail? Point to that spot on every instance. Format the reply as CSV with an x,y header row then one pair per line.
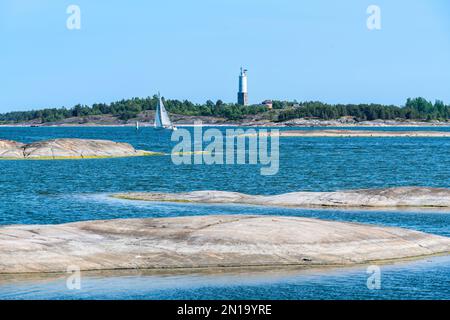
x,y
165,121
162,119
158,123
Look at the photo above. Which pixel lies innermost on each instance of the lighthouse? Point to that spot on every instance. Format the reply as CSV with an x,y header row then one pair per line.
x,y
243,93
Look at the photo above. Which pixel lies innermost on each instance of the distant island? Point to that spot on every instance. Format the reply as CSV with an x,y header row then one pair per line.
x,y
417,111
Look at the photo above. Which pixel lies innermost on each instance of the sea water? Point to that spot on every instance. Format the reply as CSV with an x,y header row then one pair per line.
x,y
60,191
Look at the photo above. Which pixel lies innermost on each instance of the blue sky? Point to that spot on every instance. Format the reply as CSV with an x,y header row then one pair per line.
x,y
193,49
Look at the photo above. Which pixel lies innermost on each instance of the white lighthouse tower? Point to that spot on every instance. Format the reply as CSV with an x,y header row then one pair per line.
x,y
243,93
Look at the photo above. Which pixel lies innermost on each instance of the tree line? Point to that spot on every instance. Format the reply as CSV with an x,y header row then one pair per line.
x,y
131,108
414,109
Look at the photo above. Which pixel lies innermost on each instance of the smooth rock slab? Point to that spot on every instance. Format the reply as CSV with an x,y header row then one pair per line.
x,y
375,198
67,149
206,241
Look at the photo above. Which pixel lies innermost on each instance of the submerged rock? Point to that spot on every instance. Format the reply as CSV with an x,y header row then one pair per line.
x,y
67,148
206,241
390,197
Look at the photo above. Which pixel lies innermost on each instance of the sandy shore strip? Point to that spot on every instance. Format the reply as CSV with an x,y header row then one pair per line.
x,y
402,197
356,134
207,242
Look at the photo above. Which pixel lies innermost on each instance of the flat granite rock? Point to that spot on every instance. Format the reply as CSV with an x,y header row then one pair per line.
x,y
67,148
369,198
206,241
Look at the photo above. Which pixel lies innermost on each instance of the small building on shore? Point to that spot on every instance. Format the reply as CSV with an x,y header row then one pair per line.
x,y
268,103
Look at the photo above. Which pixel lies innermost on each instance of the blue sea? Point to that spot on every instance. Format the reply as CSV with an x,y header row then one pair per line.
x,y
60,191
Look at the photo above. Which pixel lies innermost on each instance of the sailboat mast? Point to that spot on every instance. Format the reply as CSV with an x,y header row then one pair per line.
x,y
160,109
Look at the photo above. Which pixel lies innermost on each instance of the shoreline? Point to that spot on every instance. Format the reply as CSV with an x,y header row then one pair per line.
x,y
286,124
255,271
214,270
47,158
340,133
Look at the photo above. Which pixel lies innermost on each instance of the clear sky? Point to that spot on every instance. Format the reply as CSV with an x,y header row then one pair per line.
x,y
193,49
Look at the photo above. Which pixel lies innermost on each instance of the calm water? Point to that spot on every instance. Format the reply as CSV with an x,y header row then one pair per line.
x,y
48,192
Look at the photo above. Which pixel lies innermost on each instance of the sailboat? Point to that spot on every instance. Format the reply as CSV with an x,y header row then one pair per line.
x,y
162,120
